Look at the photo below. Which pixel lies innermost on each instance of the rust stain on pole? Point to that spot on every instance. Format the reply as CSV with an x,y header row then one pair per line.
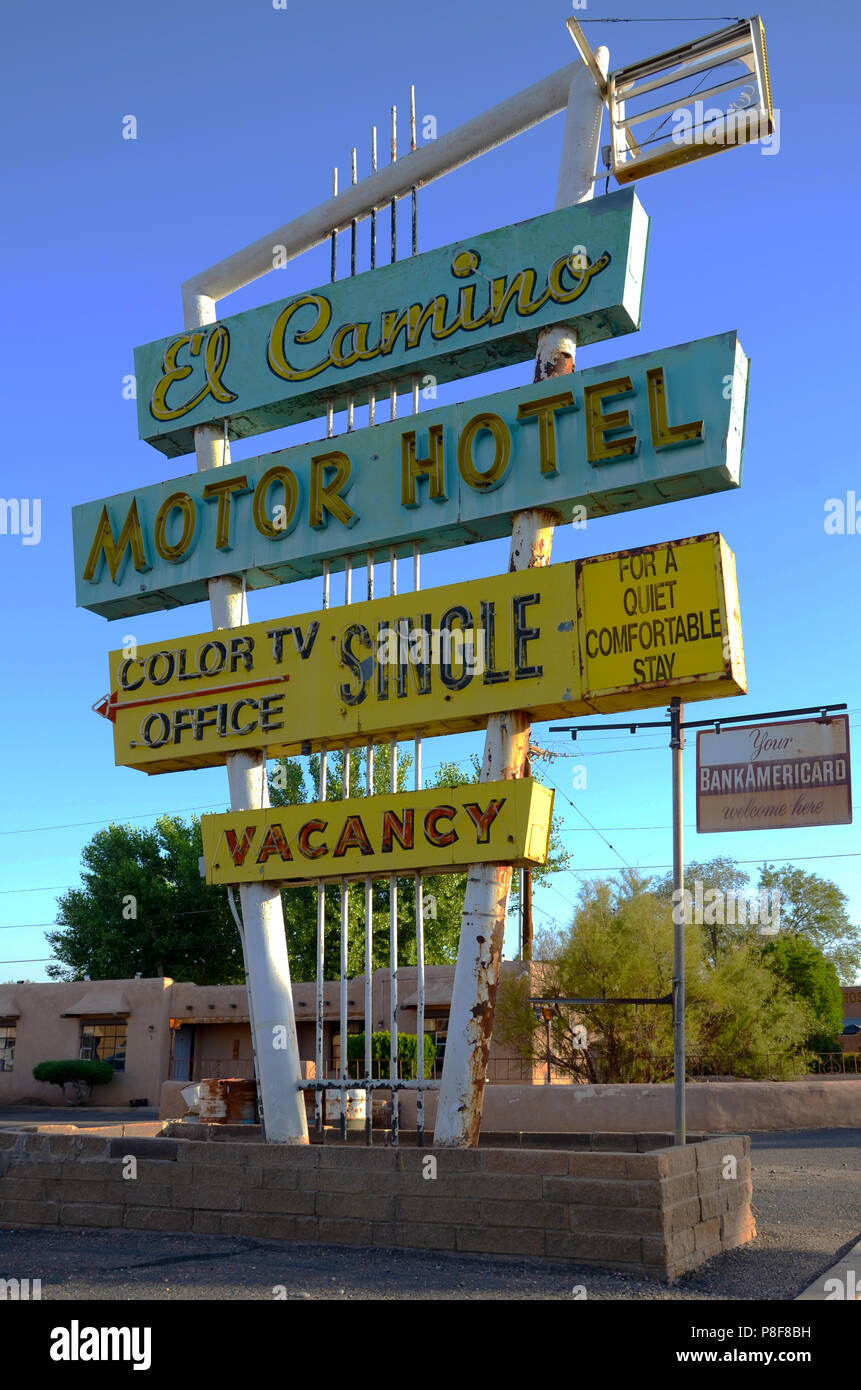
x,y
554,354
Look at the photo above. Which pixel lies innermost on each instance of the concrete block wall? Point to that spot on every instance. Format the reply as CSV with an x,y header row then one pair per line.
x,y
719,1107
661,1213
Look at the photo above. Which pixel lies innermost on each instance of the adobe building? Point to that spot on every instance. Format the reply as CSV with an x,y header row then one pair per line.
x,y
851,1039
159,1030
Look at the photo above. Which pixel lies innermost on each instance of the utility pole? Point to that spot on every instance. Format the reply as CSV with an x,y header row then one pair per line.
x,y
677,743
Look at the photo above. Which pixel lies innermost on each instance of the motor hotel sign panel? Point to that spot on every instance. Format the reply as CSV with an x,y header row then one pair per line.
x,y
464,308
634,433
769,776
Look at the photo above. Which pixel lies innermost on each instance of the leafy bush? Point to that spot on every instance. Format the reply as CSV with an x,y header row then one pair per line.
x,y
95,1073
381,1051
81,1075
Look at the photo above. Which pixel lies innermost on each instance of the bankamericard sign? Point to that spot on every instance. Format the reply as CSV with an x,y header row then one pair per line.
x,y
775,775
654,428
464,308
442,830
652,622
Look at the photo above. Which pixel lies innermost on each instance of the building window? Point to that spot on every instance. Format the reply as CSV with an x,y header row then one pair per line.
x,y
104,1041
437,1026
7,1045
354,1025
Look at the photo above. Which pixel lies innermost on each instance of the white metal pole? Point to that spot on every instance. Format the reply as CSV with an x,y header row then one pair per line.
x,y
677,743
507,742
275,1042
484,132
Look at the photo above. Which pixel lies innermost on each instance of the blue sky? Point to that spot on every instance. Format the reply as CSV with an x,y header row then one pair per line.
x,y
242,110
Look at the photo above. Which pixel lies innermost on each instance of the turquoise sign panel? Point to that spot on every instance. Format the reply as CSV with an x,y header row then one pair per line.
x,y
655,428
465,308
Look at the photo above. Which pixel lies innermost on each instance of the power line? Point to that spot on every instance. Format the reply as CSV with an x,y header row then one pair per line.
x,y
688,825
760,859
50,888
77,824
25,926
665,19
588,822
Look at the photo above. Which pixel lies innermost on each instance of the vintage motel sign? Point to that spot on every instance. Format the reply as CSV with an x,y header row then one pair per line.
x,y
774,776
454,475
638,627
651,622
469,307
440,830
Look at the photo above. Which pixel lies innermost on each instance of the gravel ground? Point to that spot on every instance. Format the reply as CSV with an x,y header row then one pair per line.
x,y
807,1200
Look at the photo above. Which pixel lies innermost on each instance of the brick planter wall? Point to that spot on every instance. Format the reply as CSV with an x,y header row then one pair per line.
x,y
661,1213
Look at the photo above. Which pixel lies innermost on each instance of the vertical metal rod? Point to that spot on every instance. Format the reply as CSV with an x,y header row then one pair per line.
x,y
394,202
320,1065
372,392
413,190
393,908
393,394
353,232
334,265
547,1022
345,900
521,926
420,923
369,923
354,224
373,210
677,743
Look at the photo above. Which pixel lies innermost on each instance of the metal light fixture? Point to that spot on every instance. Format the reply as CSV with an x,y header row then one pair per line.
x,y
733,61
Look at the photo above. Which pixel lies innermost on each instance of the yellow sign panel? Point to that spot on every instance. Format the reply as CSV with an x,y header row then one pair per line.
x,y
441,830
662,618
435,662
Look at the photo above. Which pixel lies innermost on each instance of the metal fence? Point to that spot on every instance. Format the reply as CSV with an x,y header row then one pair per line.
x,y
500,1069
756,1066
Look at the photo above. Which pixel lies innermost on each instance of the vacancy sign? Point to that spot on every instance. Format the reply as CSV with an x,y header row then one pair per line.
x,y
440,830
767,776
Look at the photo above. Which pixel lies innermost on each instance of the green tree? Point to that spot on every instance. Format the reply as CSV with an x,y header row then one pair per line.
x,y
815,908
144,907
620,944
810,907
813,979
724,877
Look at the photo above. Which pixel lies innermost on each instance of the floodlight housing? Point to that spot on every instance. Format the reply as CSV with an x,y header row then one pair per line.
x,y
734,57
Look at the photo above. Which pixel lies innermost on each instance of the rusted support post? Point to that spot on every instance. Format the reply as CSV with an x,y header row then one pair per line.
x,y
506,747
483,927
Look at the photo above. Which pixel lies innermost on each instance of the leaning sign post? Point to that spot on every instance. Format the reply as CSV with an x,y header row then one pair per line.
x,y
611,632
